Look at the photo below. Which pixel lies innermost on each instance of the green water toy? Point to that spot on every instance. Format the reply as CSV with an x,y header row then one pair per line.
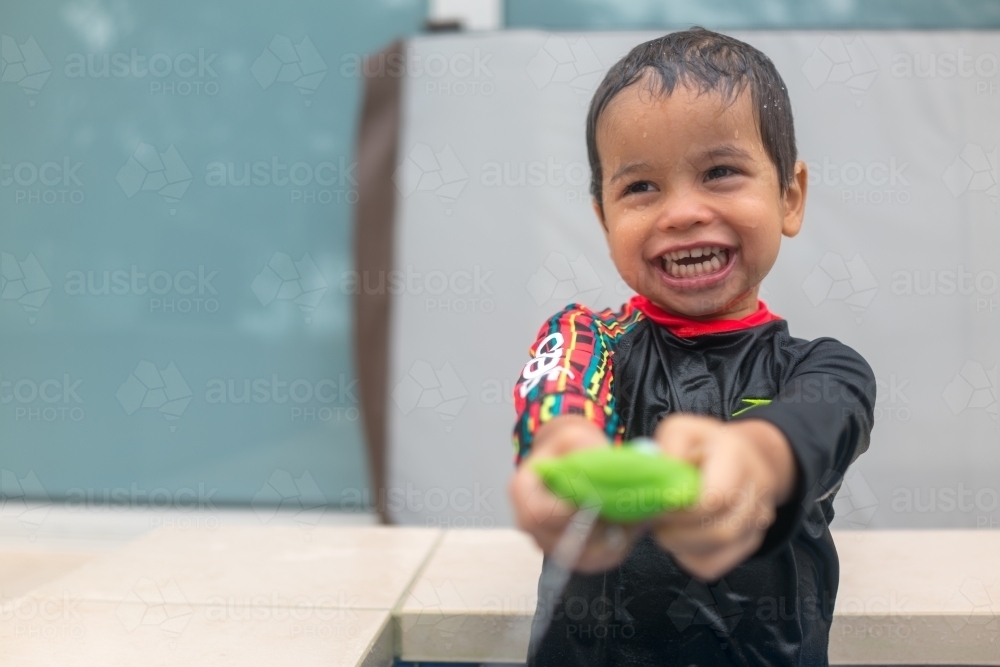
x,y
630,483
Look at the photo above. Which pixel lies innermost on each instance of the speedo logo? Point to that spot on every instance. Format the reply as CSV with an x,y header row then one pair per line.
x,y
749,403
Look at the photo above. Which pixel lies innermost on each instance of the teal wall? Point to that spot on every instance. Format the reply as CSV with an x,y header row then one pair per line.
x,y
759,14
145,277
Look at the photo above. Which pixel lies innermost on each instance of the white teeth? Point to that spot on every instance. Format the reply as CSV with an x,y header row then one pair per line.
x,y
693,252
715,258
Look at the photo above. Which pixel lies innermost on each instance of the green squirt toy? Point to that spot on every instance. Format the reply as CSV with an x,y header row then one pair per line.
x,y
631,483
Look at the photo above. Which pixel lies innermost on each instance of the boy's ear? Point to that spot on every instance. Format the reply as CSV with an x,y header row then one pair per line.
x,y
795,200
599,212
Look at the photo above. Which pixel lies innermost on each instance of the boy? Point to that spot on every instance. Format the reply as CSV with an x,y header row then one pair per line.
x,y
695,180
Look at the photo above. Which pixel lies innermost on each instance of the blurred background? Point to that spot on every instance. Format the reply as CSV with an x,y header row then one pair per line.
x,y
182,278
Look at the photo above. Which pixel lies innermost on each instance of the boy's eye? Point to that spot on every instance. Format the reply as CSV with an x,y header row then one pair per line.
x,y
638,186
719,172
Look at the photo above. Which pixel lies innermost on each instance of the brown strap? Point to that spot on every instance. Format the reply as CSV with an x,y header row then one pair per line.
x,y
374,230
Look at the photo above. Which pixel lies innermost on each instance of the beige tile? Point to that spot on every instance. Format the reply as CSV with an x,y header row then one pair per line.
x,y
915,571
474,600
39,631
920,597
290,595
356,567
913,640
23,570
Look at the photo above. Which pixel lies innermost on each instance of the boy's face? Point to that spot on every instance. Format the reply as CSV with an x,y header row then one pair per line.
x,y
693,210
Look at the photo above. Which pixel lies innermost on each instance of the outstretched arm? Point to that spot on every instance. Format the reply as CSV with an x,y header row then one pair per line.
x,y
569,373
762,470
564,402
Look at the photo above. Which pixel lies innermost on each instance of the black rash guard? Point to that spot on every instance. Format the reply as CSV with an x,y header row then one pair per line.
x,y
627,369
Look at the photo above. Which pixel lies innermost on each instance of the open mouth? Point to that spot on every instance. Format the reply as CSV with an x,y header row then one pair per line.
x,y
695,262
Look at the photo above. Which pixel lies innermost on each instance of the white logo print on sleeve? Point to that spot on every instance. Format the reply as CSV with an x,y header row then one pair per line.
x,y
545,363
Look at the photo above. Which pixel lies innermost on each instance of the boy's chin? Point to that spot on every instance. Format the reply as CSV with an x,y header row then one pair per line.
x,y
693,306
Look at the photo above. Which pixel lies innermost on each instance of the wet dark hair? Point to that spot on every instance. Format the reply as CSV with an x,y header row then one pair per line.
x,y
707,62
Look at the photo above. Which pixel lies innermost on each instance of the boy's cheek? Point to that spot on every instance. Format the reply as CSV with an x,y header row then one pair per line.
x,y
632,268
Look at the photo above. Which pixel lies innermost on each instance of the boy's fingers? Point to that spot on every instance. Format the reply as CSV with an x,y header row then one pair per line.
x,y
683,436
724,483
710,533
724,491
608,546
686,519
566,434
707,529
707,537
535,506
712,565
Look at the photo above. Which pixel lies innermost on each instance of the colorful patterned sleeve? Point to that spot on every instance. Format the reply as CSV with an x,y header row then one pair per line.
x,y
569,374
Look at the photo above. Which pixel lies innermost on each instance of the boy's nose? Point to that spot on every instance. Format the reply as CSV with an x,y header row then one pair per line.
x,y
683,210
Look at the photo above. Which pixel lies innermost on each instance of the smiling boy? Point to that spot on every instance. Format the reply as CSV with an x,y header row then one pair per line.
x,y
695,180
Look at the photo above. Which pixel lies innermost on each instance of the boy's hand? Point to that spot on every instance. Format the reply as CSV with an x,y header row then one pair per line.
x,y
747,471
545,516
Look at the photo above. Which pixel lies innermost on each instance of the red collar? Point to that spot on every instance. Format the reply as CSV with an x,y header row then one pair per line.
x,y
685,327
